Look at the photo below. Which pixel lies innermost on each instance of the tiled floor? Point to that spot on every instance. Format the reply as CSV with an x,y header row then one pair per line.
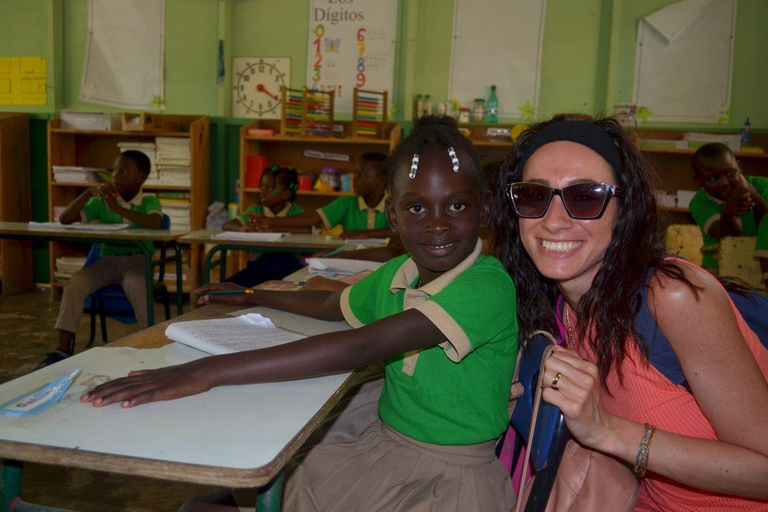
x,y
26,335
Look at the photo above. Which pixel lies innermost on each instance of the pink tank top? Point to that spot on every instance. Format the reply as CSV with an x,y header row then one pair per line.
x,y
647,396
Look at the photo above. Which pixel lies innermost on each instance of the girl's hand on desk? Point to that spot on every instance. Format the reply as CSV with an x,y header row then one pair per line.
x,y
145,386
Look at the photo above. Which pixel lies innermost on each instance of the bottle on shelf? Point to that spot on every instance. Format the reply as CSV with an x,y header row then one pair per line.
x,y
492,107
746,134
478,112
418,107
427,105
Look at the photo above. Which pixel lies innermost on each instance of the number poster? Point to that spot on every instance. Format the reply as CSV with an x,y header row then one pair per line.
x,y
351,44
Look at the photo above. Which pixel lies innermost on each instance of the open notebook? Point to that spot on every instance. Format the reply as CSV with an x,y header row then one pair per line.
x,y
223,336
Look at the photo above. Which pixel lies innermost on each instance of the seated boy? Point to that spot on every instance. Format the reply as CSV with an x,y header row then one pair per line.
x,y
729,204
360,216
111,203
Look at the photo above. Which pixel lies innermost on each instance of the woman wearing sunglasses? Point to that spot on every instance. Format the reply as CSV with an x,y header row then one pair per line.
x,y
688,407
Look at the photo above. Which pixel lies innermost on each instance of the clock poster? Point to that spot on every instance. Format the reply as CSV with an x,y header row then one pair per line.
x,y
256,84
351,44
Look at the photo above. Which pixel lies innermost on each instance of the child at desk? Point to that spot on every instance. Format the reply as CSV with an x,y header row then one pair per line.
x,y
729,204
278,200
360,216
449,348
110,203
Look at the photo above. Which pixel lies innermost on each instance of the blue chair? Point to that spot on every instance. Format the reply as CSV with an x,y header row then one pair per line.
x,y
550,432
112,301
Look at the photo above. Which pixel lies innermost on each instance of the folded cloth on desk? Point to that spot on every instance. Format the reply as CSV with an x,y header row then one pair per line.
x,y
340,266
247,236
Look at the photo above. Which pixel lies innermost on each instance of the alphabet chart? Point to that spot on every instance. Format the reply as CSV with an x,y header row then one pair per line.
x,y
351,44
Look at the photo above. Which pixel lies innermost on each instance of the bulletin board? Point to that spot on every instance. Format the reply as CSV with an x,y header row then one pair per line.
x,y
351,45
696,36
22,81
498,42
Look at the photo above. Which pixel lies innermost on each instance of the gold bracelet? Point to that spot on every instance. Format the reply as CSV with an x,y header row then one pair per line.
x,y
641,462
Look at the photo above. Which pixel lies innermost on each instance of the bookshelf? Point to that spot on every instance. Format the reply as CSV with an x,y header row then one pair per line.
x,y
15,202
93,148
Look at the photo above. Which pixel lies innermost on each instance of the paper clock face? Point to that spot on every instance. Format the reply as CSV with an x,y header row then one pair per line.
x,y
256,86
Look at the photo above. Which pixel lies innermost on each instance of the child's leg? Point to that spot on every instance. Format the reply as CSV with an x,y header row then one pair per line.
x,y
83,283
135,285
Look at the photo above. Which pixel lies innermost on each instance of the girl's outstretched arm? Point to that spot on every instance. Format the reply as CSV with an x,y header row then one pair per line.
x,y
310,357
724,378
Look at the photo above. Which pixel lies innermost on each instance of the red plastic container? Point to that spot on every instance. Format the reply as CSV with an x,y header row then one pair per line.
x,y
253,171
305,181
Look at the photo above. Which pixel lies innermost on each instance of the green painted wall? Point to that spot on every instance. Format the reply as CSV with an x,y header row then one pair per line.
x,y
587,63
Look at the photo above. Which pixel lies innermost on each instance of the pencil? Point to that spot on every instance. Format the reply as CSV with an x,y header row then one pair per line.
x,y
228,292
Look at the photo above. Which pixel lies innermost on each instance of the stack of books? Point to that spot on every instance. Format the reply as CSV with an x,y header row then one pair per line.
x,y
178,211
149,149
77,174
173,157
66,266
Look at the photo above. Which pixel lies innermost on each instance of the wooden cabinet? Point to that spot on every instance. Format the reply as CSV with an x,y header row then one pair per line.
x,y
100,149
15,202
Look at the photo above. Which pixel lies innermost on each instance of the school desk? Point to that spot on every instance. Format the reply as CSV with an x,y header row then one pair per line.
x,y
231,436
291,243
126,237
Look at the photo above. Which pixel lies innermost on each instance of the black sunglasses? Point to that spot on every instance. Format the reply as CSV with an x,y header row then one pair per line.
x,y
582,201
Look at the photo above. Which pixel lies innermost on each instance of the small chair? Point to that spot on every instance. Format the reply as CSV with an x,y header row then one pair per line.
x,y
112,301
550,432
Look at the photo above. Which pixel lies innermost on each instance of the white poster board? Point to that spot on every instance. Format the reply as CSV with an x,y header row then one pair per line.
x,y
498,42
684,62
351,44
123,66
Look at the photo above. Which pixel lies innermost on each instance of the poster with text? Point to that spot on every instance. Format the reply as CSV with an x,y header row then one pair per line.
x,y
351,44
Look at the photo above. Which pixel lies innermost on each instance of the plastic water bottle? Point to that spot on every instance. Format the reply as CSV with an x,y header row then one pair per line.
x,y
492,107
746,134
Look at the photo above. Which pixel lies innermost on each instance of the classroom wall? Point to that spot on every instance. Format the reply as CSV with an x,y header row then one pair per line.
x,y
587,62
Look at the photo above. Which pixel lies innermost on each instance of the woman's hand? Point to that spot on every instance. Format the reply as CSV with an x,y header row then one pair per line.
x,y
577,394
230,300
145,386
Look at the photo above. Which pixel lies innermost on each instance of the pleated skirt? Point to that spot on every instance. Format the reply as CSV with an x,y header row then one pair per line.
x,y
382,470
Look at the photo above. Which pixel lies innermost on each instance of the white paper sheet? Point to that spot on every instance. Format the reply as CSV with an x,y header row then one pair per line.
x,y
501,49
79,226
252,237
684,61
123,66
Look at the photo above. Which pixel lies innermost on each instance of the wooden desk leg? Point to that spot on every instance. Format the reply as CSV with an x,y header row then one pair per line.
x,y
270,495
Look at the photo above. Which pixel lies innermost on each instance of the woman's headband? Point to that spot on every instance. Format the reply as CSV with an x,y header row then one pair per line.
x,y
587,134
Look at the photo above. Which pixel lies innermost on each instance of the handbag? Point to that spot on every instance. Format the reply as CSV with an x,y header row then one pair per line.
x,y
587,480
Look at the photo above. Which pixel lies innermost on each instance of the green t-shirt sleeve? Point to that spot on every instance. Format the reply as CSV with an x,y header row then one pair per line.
x,y
335,212
703,209
358,302
252,209
296,210
150,204
760,184
469,314
93,209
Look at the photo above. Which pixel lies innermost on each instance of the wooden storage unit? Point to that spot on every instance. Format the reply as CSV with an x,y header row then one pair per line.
x,y
99,149
673,168
290,151
15,202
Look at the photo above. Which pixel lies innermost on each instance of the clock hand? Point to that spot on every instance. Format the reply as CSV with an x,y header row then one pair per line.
x,y
263,89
